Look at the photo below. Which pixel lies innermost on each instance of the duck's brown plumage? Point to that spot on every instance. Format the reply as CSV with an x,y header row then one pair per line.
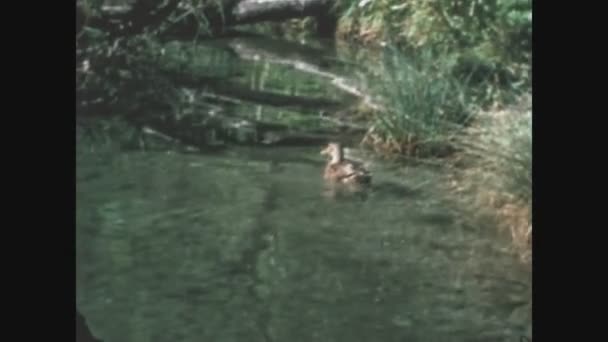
x,y
341,170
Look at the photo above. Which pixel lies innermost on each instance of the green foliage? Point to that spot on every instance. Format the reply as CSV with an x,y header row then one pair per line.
x,y
119,71
483,45
496,151
426,104
128,70
502,144
496,33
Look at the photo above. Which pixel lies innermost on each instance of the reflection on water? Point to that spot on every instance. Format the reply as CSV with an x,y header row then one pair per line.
x,y
242,246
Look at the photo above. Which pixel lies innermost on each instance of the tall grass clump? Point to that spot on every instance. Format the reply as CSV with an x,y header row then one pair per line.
x,y
425,106
498,175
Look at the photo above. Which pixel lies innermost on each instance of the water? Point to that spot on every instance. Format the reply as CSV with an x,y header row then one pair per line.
x,y
243,245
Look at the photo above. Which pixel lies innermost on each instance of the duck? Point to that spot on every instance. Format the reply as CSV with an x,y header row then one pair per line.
x,y
341,170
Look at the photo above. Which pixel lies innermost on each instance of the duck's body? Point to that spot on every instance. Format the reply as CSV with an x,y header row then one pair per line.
x,y
342,170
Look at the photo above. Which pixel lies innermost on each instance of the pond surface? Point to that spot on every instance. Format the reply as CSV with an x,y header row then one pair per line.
x,y
244,244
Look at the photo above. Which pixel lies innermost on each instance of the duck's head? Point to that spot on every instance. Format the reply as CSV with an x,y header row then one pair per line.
x,y
334,151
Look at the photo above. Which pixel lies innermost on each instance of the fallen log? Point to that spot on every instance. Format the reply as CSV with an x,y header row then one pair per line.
x,y
301,58
142,14
252,11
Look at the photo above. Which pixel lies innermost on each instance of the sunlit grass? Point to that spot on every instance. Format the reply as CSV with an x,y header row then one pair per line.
x,y
498,174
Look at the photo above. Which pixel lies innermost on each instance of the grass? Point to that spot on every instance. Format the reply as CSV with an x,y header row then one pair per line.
x,y
426,106
497,179
431,112
450,100
493,38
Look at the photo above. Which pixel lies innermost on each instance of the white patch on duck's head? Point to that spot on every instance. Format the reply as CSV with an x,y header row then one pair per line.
x,y
334,151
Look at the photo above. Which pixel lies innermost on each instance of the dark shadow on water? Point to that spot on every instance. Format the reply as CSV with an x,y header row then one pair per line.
x,y
182,149
83,334
439,219
90,176
395,190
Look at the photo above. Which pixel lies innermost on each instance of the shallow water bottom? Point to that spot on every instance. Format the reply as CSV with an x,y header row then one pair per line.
x,y
244,246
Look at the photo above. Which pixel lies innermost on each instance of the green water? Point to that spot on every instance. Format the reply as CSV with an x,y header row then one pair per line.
x,y
243,245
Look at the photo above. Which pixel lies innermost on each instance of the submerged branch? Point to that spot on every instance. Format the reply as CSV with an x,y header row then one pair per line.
x,y
269,98
303,59
237,93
